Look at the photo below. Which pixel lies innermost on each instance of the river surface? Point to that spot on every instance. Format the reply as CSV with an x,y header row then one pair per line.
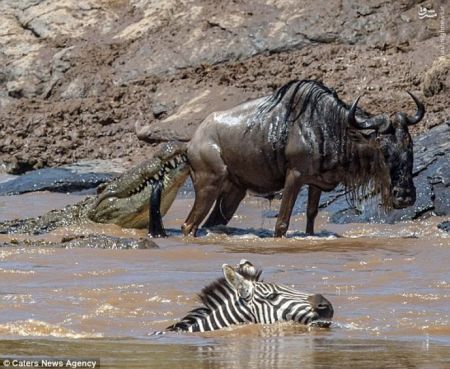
x,y
389,285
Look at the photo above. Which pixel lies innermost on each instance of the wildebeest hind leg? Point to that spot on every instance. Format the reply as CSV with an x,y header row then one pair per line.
x,y
291,188
313,208
226,205
206,191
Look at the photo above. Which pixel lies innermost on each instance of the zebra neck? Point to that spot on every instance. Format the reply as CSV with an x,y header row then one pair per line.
x,y
221,316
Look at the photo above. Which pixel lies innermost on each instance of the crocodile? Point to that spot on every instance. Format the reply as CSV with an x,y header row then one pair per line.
x,y
138,198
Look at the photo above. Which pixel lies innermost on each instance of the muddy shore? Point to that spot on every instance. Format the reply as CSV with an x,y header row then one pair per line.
x,y
96,79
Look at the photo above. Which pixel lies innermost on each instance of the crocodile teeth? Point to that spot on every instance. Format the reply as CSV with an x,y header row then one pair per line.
x,y
172,163
156,176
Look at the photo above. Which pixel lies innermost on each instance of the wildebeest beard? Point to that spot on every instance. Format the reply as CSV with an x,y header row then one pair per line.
x,y
323,118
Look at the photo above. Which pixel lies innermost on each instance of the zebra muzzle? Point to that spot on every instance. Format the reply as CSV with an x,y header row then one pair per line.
x,y
321,306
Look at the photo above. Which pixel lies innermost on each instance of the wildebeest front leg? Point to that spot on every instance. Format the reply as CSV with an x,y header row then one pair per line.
x,y
291,188
226,205
313,208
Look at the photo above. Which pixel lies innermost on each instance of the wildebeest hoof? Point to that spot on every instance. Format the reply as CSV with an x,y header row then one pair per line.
x,y
188,230
281,230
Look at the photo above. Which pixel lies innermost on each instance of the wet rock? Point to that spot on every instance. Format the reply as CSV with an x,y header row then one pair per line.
x,y
71,178
445,226
108,242
69,215
87,241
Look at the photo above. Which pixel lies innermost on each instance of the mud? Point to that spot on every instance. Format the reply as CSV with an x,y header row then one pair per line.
x,y
111,72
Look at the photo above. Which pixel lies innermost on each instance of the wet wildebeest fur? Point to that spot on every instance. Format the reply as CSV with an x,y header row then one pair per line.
x,y
301,135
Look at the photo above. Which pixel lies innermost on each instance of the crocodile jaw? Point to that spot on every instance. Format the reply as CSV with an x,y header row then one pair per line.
x,y
125,200
133,211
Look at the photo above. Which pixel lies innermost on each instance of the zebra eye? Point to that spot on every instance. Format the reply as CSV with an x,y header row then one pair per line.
x,y
273,296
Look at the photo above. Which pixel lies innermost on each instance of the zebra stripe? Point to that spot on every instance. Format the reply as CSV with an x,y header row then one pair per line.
x,y
241,297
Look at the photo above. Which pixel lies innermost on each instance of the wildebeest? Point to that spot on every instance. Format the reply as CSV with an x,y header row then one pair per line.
x,y
303,134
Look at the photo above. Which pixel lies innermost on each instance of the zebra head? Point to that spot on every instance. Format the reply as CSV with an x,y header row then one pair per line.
x,y
241,297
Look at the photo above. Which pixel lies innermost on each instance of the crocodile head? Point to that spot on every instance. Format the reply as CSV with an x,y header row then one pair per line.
x,y
125,200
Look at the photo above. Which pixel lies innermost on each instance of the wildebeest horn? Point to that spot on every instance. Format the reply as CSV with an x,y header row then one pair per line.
x,y
371,123
419,113
352,114
359,123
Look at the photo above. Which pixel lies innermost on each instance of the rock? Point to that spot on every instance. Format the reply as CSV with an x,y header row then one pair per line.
x,y
445,226
89,241
182,124
18,166
71,178
437,78
107,242
159,110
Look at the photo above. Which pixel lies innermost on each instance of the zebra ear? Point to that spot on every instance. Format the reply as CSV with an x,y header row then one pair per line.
x,y
242,286
245,267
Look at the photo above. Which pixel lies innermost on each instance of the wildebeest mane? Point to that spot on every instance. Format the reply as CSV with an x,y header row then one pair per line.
x,y
299,95
365,171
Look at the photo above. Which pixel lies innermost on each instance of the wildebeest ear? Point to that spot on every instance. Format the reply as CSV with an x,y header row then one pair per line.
x,y
242,286
383,123
358,137
369,134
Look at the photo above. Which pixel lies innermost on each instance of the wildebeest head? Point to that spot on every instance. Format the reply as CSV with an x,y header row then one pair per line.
x,y
395,143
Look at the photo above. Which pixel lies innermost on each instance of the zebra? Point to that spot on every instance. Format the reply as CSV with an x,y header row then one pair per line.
x,y
240,296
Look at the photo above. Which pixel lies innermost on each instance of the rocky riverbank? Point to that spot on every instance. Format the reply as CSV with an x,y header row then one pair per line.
x,y
92,79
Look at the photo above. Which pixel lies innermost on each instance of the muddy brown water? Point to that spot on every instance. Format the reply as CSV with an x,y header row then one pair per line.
x,y
389,284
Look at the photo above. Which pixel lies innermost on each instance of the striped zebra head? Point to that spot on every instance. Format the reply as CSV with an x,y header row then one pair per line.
x,y
241,297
